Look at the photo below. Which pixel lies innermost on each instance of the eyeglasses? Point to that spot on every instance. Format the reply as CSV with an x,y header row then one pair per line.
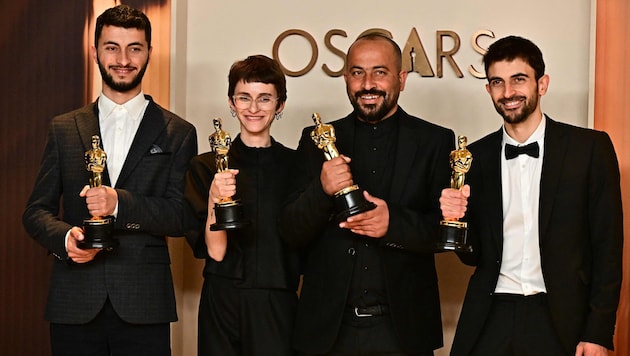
x,y
264,102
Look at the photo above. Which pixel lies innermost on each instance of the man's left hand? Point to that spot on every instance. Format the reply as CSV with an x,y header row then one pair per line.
x,y
373,223
590,349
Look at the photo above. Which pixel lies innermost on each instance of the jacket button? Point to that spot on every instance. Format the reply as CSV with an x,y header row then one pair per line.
x,y
351,251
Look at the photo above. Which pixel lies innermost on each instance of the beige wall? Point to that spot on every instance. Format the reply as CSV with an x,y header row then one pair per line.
x,y
208,36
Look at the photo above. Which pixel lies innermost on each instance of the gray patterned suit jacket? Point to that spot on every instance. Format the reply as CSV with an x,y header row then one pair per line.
x,y
136,276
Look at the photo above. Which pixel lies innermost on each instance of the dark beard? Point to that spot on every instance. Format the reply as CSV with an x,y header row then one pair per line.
x,y
528,109
122,87
371,113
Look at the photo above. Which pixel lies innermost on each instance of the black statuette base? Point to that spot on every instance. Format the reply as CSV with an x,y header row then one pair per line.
x,y
453,236
351,203
229,216
98,234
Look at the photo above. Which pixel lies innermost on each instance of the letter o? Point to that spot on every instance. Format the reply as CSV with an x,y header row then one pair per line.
x,y
314,51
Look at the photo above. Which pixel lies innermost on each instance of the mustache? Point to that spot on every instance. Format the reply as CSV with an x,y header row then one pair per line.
x,y
518,97
122,67
370,92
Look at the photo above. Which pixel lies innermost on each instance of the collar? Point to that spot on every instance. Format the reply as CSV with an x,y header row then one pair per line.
x,y
390,121
135,106
537,136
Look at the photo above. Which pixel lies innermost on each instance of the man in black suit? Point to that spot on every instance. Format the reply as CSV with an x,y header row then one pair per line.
x,y
121,301
545,219
370,284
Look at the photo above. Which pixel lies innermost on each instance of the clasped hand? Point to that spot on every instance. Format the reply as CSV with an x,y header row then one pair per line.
x,y
453,202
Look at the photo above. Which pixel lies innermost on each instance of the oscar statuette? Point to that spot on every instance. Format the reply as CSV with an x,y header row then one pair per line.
x,y
229,213
97,230
349,201
453,233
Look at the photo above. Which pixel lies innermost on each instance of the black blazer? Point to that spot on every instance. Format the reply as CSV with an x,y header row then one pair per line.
x,y
137,276
421,172
581,235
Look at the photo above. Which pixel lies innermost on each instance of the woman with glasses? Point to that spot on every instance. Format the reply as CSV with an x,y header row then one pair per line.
x,y
249,295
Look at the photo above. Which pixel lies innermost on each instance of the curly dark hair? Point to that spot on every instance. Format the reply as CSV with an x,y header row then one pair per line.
x,y
123,16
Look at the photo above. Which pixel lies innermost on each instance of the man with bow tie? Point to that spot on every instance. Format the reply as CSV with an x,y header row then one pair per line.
x,y
543,206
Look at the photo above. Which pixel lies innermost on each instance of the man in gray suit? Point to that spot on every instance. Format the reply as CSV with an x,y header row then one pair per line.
x,y
545,219
120,301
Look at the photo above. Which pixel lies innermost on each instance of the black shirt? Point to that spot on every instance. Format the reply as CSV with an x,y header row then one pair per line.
x,y
256,256
372,163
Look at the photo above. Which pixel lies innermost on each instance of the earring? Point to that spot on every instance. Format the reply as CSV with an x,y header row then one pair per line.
x,y
232,112
278,115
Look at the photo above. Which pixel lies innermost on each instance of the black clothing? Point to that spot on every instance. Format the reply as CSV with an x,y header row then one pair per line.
x,y
372,165
415,168
256,257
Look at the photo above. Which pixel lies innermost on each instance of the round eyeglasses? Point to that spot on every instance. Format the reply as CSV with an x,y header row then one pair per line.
x,y
264,102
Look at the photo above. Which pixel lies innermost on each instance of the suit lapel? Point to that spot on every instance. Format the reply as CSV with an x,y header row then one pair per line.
x,y
153,123
489,163
344,131
554,153
88,125
405,152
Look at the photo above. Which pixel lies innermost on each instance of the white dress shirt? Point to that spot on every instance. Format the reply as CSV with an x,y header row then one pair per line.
x,y
119,124
521,271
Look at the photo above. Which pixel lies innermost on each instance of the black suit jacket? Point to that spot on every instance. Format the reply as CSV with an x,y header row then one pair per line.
x,y
580,228
421,170
136,277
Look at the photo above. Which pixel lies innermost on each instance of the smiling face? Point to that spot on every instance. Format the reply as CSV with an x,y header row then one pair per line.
x,y
515,92
374,79
122,56
255,105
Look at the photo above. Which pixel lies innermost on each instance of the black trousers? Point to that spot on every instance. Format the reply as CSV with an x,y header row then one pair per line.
x,y
240,321
363,336
109,335
519,326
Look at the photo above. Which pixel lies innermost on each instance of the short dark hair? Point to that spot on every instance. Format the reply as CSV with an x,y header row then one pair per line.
x,y
123,16
512,47
261,69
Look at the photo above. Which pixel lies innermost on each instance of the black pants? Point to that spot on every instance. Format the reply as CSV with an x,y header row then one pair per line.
x,y
363,336
240,321
109,335
519,326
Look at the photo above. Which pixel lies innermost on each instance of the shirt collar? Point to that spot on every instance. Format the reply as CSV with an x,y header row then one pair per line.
x,y
135,106
537,136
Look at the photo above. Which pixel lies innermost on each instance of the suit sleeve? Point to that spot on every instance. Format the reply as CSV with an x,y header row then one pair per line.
x,y
308,209
413,223
41,217
606,243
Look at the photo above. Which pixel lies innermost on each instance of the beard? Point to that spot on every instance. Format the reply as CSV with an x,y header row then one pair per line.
x,y
122,87
372,113
516,117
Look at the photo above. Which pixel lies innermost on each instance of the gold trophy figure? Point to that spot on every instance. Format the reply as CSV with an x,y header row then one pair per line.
x,y
229,213
97,230
453,233
349,201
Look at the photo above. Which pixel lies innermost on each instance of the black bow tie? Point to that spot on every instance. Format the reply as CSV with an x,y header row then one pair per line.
x,y
512,151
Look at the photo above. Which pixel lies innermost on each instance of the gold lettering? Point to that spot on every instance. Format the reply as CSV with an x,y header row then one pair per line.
x,y
447,54
414,56
314,51
482,51
341,54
